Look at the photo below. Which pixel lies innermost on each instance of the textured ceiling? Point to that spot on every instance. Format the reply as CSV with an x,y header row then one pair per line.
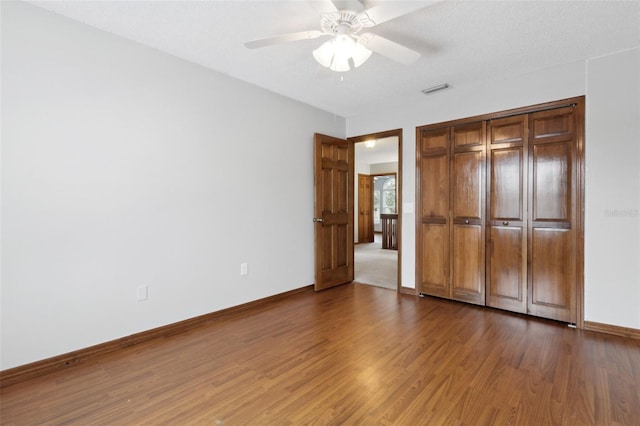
x,y
461,42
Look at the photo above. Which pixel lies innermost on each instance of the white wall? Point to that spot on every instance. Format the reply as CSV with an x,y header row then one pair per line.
x,y
123,166
382,168
612,236
615,274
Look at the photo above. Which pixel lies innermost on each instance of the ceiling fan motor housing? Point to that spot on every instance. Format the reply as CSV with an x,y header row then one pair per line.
x,y
344,22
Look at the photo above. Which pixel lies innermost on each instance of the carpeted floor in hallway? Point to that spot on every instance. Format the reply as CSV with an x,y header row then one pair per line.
x,y
376,266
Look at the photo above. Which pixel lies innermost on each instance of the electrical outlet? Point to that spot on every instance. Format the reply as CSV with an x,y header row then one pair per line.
x,y
244,269
142,292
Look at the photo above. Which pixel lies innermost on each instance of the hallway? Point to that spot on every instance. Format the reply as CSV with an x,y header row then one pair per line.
x,y
376,266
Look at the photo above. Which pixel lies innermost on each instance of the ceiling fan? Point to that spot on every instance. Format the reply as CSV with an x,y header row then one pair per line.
x,y
345,23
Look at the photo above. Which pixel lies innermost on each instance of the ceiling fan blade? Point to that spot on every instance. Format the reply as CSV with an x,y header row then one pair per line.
x,y
324,6
393,9
391,49
353,5
284,38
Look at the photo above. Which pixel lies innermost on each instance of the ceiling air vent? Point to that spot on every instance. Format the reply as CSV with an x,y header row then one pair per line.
x,y
434,89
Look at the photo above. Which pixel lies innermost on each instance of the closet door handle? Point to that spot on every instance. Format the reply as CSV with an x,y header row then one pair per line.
x,y
466,221
505,223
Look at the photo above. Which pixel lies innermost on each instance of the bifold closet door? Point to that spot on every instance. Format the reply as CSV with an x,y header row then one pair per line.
x,y
553,214
507,221
432,250
500,201
467,213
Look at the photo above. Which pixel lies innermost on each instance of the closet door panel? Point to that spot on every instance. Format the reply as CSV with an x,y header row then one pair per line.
x,y
467,213
467,189
552,181
506,190
435,140
550,292
507,269
468,264
506,224
434,249
553,123
468,136
552,230
507,130
434,186
434,279
432,245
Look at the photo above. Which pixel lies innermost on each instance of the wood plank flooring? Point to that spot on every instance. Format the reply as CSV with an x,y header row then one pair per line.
x,y
354,354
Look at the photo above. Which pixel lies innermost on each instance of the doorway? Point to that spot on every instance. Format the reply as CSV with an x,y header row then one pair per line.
x,y
377,209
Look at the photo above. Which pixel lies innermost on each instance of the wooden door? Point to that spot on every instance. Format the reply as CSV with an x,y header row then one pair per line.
x,y
333,173
553,193
365,208
432,239
468,213
506,285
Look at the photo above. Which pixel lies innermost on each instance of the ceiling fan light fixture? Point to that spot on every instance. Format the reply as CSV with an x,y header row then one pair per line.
x,y
343,45
342,50
348,46
340,64
324,54
336,53
360,54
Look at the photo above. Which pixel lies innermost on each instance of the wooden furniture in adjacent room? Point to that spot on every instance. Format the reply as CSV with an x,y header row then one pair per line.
x,y
389,231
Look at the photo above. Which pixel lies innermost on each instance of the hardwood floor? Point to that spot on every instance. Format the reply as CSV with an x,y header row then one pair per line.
x,y
354,354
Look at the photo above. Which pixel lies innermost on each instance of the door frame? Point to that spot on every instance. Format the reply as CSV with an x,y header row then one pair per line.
x,y
385,134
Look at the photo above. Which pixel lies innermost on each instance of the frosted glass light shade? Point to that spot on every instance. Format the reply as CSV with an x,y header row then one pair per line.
x,y
343,46
335,53
342,51
324,54
360,55
340,64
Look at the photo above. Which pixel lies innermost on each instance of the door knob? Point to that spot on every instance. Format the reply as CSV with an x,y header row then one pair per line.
x,y
466,221
318,219
505,223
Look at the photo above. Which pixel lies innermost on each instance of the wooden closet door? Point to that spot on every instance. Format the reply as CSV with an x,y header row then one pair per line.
x,y
553,214
365,209
506,221
467,213
432,240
